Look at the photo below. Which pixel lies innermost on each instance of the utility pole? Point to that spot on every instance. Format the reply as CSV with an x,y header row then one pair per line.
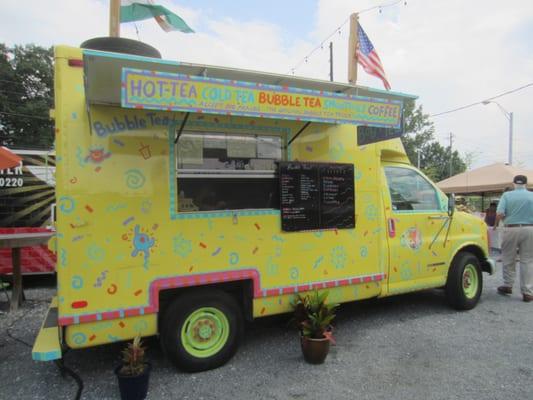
x,y
331,61
418,158
511,138
451,154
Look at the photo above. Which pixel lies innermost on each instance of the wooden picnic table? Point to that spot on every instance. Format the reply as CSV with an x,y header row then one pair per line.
x,y
15,241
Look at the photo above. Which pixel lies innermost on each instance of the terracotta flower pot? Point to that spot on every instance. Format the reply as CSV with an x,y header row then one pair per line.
x,y
315,351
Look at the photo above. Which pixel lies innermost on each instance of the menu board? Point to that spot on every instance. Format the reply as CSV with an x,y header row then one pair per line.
x,y
300,196
337,205
316,196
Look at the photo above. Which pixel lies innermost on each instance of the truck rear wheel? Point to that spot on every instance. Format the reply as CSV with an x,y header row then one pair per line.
x,y
201,330
465,282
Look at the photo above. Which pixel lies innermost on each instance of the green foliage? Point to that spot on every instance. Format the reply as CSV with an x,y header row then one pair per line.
x,y
313,316
26,96
419,135
133,363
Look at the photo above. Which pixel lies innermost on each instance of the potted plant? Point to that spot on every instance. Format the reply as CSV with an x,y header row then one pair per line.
x,y
134,372
313,318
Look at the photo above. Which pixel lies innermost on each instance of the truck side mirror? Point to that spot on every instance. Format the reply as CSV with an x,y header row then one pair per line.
x,y
451,204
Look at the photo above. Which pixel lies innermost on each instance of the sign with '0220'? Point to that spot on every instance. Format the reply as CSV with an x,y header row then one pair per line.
x,y
178,92
12,177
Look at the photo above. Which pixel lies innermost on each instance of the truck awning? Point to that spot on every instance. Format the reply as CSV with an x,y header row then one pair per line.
x,y
106,75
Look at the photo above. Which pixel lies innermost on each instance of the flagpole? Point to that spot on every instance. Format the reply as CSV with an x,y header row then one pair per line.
x,y
352,47
114,18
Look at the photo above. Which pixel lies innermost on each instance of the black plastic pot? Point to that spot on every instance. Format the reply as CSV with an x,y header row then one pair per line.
x,y
133,387
315,351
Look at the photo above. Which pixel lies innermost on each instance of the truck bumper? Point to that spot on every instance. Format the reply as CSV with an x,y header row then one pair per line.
x,y
489,265
47,346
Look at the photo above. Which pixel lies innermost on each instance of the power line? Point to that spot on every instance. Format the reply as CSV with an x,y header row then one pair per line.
x,y
12,91
321,45
482,101
21,105
11,81
381,6
338,30
24,115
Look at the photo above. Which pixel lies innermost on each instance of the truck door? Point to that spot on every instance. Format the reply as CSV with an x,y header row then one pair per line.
x,y
416,218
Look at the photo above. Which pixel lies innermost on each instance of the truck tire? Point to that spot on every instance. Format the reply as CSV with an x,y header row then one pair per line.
x,y
465,281
201,330
121,45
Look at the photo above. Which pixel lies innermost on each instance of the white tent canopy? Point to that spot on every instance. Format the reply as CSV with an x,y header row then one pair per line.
x,y
491,178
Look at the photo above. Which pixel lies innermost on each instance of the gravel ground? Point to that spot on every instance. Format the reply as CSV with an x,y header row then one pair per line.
x,y
404,347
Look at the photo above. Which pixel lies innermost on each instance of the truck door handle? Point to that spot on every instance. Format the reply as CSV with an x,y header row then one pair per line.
x,y
438,217
392,227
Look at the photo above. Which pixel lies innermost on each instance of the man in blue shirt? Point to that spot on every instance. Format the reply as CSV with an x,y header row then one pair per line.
x,y
516,210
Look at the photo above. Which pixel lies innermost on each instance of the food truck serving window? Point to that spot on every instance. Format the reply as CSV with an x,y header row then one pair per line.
x,y
223,171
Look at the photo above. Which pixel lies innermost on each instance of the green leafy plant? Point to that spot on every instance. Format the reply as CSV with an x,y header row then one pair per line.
x,y
133,362
313,316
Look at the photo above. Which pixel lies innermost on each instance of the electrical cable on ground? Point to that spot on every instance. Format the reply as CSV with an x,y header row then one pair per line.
x,y
59,363
66,370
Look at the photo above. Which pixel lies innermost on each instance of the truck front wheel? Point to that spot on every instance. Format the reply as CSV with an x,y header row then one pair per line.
x,y
465,282
201,330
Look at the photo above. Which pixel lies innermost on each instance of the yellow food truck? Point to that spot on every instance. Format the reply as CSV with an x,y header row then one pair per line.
x,y
191,198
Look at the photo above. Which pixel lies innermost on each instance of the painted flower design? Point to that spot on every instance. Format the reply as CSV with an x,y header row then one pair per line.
x,y
142,243
406,272
97,155
411,238
371,212
339,257
182,246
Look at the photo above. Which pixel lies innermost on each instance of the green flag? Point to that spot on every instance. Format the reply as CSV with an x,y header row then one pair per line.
x,y
138,10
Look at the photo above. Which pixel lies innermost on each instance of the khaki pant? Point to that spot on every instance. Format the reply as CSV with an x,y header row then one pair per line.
x,y
521,239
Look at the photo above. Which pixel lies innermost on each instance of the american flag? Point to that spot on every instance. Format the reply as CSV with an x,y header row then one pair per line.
x,y
369,59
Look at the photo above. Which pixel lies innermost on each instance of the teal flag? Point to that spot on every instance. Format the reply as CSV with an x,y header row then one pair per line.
x,y
131,11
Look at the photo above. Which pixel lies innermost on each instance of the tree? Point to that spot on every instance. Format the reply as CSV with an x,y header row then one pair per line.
x,y
419,136
26,96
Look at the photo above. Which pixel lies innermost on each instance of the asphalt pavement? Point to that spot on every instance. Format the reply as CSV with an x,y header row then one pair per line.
x,y
405,347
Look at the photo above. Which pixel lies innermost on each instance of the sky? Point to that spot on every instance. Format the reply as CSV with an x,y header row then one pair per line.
x,y
450,53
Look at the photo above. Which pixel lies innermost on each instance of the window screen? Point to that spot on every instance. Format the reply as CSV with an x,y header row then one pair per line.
x,y
218,171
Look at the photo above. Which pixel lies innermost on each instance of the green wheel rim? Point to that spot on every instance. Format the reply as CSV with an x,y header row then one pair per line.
x,y
205,332
470,281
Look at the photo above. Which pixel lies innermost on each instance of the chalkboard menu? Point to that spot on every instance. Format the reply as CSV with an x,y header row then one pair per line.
x,y
316,196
